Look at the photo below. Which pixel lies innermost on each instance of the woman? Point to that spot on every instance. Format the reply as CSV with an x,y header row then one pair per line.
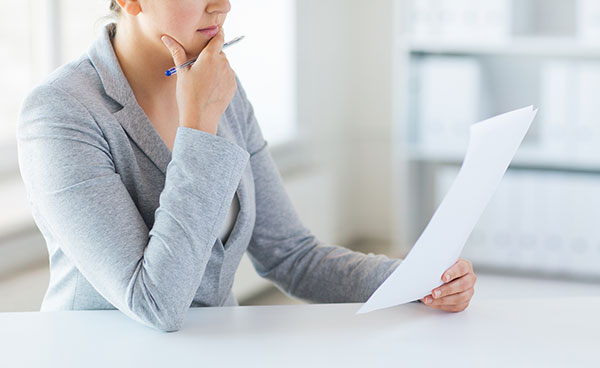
x,y
148,189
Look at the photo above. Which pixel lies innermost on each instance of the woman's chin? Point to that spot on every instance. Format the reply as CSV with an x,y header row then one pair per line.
x,y
195,50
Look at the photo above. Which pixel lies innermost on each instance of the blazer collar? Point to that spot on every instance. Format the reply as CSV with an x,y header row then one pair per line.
x,y
131,117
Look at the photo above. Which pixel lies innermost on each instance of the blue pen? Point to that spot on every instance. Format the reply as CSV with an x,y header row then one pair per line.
x,y
173,70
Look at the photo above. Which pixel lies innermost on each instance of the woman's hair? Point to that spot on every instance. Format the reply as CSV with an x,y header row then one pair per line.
x,y
115,9
113,17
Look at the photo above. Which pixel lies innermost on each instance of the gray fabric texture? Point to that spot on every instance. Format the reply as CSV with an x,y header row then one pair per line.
x,y
133,226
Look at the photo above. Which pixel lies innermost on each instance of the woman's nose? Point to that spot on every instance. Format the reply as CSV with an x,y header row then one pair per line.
x,y
218,6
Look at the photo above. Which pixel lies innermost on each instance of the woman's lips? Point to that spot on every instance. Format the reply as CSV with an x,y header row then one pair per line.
x,y
210,31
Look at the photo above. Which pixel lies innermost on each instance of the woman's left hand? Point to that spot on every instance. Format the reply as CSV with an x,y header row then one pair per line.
x,y
458,288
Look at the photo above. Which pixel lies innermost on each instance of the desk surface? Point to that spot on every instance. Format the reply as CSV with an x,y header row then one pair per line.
x,y
540,332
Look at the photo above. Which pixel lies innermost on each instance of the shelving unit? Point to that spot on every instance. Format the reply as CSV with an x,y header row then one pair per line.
x,y
559,47
541,53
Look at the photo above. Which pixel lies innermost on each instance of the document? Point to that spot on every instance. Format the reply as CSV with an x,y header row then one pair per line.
x,y
492,145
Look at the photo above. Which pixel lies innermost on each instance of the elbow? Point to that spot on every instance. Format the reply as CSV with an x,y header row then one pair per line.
x,y
154,309
166,323
168,326
160,319
168,319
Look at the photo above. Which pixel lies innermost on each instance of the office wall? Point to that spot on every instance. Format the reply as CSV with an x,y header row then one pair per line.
x,y
345,107
370,142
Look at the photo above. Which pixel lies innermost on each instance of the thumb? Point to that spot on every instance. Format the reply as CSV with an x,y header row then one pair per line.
x,y
177,51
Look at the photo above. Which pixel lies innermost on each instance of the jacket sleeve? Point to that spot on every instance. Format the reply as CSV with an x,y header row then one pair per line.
x,y
284,251
77,196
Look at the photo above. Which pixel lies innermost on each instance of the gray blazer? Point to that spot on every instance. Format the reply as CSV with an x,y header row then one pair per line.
x,y
131,225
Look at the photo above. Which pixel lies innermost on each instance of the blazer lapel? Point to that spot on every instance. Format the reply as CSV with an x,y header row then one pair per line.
x,y
131,117
139,128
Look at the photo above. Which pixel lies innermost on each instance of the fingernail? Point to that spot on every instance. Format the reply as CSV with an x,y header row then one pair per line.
x,y
427,300
166,40
437,293
447,278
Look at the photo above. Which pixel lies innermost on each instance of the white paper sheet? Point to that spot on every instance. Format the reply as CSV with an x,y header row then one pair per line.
x,y
492,145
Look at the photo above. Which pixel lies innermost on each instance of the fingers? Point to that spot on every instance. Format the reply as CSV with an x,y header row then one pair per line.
x,y
461,298
177,51
454,287
459,269
215,45
457,291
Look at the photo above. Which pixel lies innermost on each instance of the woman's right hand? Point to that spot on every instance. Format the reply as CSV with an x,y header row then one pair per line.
x,y
205,89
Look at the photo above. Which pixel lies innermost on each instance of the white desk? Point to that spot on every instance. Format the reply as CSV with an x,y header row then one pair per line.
x,y
528,333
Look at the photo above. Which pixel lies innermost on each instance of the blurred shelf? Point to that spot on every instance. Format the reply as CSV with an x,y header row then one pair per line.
x,y
562,47
554,173
526,158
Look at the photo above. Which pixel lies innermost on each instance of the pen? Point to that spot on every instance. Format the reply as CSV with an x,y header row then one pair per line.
x,y
173,70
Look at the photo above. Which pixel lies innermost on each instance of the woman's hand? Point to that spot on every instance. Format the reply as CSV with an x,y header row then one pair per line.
x,y
455,295
205,89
